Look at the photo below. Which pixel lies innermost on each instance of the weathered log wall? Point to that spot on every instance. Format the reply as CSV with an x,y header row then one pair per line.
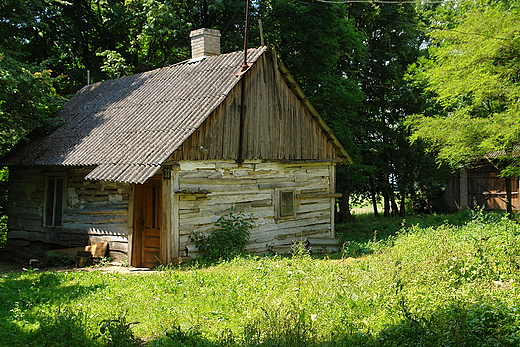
x,y
98,211
94,211
207,190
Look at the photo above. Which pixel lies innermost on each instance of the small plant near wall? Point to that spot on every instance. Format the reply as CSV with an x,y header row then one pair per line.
x,y
4,173
3,231
228,239
117,332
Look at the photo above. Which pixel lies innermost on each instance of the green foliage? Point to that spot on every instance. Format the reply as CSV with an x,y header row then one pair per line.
x,y
387,164
228,239
284,325
473,76
27,100
368,234
114,64
117,332
177,337
3,230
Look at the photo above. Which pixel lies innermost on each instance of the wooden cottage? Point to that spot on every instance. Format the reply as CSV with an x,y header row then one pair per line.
x,y
143,161
481,187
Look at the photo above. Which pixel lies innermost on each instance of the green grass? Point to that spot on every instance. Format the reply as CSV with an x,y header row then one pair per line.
x,y
368,233
422,286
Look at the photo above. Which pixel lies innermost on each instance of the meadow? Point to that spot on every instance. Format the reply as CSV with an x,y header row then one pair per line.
x,y
403,283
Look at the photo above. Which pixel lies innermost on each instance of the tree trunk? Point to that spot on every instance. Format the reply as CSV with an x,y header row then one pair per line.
x,y
395,209
373,197
344,207
402,207
388,199
386,203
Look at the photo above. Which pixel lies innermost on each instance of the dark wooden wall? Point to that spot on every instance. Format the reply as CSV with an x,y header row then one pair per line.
x,y
94,211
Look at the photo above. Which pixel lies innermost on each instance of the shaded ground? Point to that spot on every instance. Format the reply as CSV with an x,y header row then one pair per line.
x,y
12,266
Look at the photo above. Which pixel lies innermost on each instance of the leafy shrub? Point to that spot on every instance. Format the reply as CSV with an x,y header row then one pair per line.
x,y
179,337
460,324
117,332
3,231
229,238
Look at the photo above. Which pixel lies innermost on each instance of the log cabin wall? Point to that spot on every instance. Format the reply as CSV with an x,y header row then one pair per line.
x,y
208,189
277,125
93,211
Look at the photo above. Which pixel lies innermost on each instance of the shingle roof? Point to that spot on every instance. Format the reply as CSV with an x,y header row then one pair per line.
x,y
129,126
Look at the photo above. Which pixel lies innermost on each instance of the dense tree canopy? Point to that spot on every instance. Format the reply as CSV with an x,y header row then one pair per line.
x,y
27,100
474,75
350,59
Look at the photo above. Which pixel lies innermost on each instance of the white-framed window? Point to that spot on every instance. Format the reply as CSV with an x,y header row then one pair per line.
x,y
54,200
285,204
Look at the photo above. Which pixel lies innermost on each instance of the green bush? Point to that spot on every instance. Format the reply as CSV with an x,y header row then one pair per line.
x,y
3,231
178,337
228,239
117,332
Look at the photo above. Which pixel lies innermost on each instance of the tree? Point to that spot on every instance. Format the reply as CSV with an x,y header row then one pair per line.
x,y
393,41
27,100
474,74
323,50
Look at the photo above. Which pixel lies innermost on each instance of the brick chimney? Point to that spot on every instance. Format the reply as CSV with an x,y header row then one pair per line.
x,y
205,42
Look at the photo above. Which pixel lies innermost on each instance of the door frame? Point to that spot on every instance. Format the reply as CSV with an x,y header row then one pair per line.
x,y
137,216
169,221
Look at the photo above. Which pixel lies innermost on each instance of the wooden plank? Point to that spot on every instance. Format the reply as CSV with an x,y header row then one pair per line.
x,y
26,235
277,185
94,219
106,228
25,224
321,208
318,195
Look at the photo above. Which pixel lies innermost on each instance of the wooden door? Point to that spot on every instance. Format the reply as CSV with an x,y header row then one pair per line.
x,y
147,224
488,190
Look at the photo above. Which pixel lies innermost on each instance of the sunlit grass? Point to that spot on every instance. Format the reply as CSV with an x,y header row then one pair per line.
x,y
425,285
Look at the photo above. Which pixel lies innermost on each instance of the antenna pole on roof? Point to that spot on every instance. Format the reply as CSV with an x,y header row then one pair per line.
x,y
261,27
246,33
240,158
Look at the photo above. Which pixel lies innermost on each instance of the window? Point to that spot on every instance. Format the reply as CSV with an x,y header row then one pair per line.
x,y
285,208
54,201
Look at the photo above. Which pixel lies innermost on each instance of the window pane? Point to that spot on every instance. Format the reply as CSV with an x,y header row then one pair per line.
x,y
58,210
49,208
286,204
